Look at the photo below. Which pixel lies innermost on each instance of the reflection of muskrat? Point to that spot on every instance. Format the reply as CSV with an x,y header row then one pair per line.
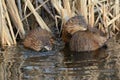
x,y
81,36
38,39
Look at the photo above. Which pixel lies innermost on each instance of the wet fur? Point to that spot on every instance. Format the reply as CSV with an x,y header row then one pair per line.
x,y
86,41
37,38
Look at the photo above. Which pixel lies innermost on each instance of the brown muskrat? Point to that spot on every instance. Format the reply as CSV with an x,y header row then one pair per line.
x,y
38,39
81,37
73,25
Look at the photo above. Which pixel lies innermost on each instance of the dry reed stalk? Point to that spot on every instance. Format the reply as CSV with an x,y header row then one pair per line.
x,y
38,18
7,36
15,17
100,27
57,5
105,20
82,7
19,8
78,6
91,13
64,12
66,4
1,16
117,8
99,11
113,20
46,8
9,23
61,11
105,14
35,9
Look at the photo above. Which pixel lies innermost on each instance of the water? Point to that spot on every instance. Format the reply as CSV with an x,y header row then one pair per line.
x,y
17,63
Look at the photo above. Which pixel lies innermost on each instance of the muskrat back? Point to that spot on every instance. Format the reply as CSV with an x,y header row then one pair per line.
x,y
86,41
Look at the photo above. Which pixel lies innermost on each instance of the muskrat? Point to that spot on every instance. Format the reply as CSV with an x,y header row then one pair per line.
x,y
38,38
80,36
73,25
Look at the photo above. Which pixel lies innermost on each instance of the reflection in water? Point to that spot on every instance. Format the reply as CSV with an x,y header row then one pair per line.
x,y
10,64
97,65
20,64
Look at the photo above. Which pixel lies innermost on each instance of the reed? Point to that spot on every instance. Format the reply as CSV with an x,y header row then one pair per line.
x,y
7,36
13,13
81,7
12,8
37,16
64,10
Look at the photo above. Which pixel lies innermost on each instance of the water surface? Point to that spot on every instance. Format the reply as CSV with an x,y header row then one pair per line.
x,y
17,63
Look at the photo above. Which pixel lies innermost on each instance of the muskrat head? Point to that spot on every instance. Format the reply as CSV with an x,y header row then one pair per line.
x,y
74,24
71,29
48,45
